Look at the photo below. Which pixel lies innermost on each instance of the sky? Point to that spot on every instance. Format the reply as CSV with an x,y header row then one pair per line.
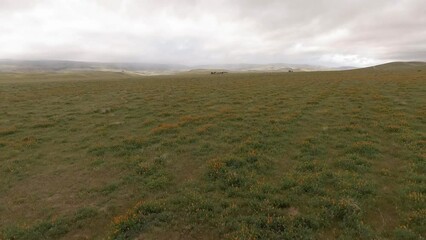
x,y
195,32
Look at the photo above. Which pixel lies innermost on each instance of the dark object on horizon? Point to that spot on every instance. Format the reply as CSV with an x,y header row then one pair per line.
x,y
218,72
291,70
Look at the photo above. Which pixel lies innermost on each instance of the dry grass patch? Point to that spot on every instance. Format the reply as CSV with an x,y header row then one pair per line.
x,y
165,127
7,130
204,128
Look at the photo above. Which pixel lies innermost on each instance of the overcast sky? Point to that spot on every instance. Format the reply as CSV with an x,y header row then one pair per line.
x,y
322,32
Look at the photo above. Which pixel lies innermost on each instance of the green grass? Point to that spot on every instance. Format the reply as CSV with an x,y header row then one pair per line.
x,y
325,155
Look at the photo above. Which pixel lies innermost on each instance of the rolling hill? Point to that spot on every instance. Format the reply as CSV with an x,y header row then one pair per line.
x,y
400,66
155,69
148,68
58,66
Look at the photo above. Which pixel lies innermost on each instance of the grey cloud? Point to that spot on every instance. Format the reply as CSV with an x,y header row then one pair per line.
x,y
328,32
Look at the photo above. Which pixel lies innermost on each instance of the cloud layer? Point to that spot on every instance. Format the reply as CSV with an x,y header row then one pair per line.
x,y
323,32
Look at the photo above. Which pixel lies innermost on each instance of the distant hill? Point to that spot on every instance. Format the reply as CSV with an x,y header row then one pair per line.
x,y
147,68
53,66
272,67
400,66
151,69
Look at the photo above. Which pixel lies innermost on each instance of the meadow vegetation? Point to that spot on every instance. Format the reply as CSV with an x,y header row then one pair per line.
x,y
321,155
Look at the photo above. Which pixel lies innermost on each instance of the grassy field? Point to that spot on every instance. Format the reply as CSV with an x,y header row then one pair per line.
x,y
320,155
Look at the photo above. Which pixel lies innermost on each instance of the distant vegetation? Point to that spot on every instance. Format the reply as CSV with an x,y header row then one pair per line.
x,y
320,155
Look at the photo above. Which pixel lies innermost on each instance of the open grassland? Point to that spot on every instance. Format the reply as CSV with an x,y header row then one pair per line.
x,y
239,156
